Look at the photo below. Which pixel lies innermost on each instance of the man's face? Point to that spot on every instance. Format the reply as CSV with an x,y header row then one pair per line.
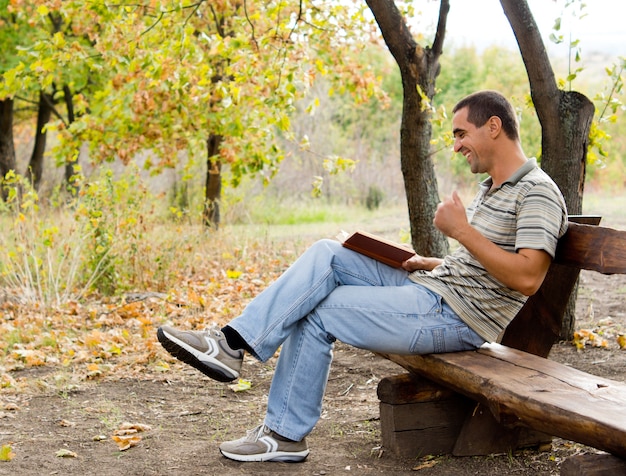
x,y
470,141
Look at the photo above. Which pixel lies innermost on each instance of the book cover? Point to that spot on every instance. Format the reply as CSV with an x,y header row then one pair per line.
x,y
381,249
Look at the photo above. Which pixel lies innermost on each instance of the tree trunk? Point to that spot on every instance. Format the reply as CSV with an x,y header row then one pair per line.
x,y
565,118
419,68
7,146
35,166
71,162
213,187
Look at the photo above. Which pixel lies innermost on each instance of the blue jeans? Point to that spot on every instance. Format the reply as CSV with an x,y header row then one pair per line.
x,y
332,293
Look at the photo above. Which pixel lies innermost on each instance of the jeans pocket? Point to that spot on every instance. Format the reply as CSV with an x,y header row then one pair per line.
x,y
436,340
428,341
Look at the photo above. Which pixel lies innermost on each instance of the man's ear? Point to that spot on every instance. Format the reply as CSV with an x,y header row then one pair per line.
x,y
495,126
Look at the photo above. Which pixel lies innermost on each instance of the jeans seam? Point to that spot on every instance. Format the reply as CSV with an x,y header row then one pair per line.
x,y
439,344
283,408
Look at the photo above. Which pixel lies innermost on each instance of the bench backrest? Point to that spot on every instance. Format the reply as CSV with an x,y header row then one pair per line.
x,y
584,246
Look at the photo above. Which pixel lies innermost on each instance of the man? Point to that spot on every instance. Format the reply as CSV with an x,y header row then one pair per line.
x,y
507,239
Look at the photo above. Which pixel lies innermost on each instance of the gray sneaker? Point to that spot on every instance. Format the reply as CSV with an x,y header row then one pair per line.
x,y
262,444
206,351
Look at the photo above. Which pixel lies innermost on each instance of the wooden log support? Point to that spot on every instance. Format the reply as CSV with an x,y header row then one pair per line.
x,y
593,465
482,434
419,417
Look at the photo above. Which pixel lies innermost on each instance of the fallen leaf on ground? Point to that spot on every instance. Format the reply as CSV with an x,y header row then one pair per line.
x,y
64,453
126,435
6,453
241,385
127,428
428,464
125,442
584,337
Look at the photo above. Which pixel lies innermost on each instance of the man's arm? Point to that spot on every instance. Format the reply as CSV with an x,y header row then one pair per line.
x,y
523,271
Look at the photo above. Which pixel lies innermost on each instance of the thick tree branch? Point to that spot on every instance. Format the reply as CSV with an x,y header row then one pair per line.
x,y
543,86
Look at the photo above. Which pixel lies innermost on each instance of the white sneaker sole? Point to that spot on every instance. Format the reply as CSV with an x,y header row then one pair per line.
x,y
275,456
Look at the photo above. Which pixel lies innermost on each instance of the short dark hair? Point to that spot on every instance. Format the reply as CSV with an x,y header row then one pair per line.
x,y
484,104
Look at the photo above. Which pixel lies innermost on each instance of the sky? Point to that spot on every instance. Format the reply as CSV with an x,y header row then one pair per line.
x,y
482,23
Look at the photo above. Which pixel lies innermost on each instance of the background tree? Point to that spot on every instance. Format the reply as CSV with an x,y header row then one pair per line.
x,y
12,33
7,147
217,77
51,64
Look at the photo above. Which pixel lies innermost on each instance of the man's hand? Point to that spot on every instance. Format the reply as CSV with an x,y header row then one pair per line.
x,y
450,217
416,262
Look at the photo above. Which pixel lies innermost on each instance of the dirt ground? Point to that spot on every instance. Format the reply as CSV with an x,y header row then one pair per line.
x,y
68,430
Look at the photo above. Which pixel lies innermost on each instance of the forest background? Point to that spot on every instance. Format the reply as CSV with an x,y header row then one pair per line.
x,y
302,135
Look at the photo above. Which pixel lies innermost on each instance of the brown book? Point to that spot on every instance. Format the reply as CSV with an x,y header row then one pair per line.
x,y
381,249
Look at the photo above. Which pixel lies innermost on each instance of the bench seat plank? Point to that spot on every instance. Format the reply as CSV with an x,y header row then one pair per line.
x,y
521,389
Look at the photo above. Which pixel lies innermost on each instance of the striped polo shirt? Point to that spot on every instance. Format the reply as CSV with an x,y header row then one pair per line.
x,y
526,211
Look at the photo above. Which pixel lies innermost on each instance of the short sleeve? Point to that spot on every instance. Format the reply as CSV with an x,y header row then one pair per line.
x,y
542,218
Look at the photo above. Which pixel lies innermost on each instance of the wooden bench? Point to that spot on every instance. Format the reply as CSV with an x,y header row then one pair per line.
x,y
506,396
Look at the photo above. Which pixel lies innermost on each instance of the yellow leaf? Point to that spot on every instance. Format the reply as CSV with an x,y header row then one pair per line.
x,y
116,350
621,340
162,366
241,386
6,453
93,368
93,340
232,274
64,453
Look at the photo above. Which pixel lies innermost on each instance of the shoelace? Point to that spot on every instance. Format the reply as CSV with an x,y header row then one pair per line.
x,y
215,330
256,433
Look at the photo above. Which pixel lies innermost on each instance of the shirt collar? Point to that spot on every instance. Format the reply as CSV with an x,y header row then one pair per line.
x,y
517,175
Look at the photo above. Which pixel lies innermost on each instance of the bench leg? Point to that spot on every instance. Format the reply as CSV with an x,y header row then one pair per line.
x,y
419,417
481,434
